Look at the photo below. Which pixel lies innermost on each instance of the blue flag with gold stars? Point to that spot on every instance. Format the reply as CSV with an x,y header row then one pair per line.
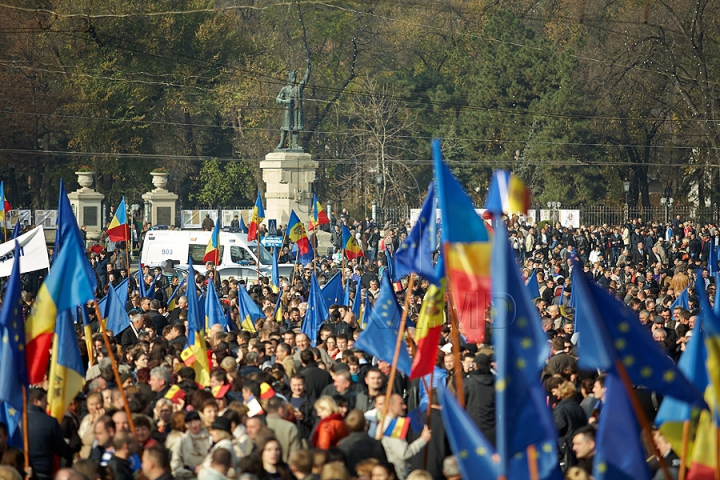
x,y
317,311
332,291
609,332
13,373
382,327
476,457
522,415
414,255
618,452
12,417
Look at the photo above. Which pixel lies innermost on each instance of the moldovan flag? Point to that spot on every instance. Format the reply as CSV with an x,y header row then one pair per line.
x,y
350,244
507,194
297,233
212,251
118,230
258,215
4,202
195,353
467,249
67,374
428,329
319,217
56,295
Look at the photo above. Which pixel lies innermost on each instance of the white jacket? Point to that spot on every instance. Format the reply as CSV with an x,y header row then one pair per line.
x,y
188,453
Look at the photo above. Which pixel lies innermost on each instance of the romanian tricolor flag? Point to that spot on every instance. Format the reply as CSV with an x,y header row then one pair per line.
x,y
318,217
350,244
118,230
297,233
467,250
195,353
67,374
428,329
705,459
507,194
397,428
258,215
175,394
266,391
56,295
4,203
212,251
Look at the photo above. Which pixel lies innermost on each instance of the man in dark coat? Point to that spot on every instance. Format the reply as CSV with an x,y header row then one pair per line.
x,y
316,379
480,396
359,445
47,437
158,319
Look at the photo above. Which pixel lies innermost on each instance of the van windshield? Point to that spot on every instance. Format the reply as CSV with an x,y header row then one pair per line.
x,y
197,252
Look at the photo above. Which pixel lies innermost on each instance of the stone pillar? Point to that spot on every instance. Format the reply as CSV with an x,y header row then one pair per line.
x,y
288,177
87,205
162,202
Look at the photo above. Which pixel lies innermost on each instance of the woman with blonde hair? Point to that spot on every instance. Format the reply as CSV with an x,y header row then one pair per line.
x,y
568,416
86,431
331,428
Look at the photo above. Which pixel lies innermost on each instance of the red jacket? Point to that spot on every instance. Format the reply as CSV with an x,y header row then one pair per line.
x,y
329,432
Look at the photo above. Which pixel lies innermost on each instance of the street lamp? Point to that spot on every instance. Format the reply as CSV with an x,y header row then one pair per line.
x,y
554,207
667,201
626,189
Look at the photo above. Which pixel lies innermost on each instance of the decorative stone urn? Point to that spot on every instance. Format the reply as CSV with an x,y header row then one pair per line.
x,y
85,179
160,179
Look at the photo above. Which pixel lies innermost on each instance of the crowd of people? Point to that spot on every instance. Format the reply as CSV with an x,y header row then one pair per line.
x,y
280,405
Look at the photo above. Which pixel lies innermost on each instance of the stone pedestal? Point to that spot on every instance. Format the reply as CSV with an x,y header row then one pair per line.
x,y
87,205
162,205
288,177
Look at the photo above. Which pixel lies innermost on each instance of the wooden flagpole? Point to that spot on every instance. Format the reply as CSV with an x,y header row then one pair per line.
x,y
642,418
684,449
26,438
396,356
115,368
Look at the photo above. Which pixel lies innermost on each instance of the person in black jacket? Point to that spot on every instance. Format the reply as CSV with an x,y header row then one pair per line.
x,y
316,379
125,447
568,416
47,437
480,396
359,445
438,447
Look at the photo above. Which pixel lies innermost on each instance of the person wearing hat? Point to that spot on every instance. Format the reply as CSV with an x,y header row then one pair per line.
x,y
480,396
221,435
188,454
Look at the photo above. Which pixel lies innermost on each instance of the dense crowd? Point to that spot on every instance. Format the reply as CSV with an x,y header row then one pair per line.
x,y
278,407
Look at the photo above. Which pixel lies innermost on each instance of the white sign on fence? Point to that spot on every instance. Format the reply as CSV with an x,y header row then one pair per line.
x,y
33,253
570,218
194,218
46,218
229,215
12,217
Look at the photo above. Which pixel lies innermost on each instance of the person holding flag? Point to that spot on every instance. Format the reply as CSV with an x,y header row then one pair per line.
x,y
318,217
258,215
212,251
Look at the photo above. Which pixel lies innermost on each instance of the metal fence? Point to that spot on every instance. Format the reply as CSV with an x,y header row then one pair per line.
x,y
616,215
597,214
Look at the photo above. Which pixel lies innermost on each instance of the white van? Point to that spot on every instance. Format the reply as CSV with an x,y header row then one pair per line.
x,y
237,258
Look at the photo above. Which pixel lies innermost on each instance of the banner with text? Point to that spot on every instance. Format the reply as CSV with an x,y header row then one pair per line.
x,y
33,253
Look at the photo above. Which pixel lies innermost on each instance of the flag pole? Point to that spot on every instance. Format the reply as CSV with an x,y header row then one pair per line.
x,y
396,356
684,449
642,418
26,440
115,368
532,462
429,412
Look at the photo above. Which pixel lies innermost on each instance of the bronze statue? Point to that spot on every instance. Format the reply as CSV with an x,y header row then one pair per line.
x,y
291,96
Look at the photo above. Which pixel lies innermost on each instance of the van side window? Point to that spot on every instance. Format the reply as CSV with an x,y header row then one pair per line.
x,y
240,255
198,253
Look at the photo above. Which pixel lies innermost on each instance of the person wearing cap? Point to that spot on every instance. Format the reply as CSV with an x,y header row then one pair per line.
x,y
221,435
192,449
480,396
